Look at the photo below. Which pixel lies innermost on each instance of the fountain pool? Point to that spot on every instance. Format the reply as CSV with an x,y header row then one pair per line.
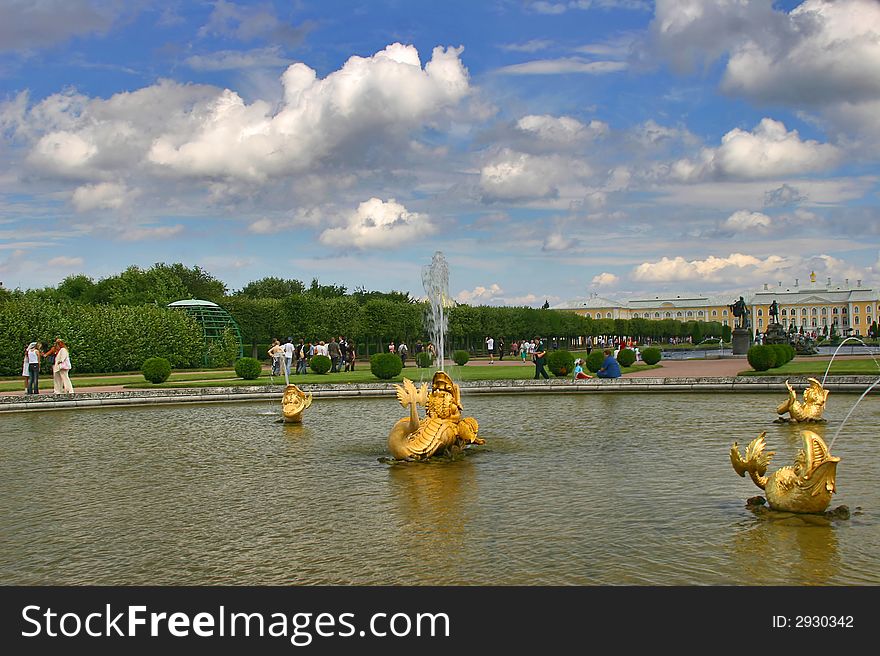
x,y
569,490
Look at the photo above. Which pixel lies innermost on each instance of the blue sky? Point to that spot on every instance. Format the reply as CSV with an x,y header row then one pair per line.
x,y
550,149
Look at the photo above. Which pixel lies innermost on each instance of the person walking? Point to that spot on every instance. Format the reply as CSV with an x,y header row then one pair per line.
x,y
60,369
334,353
540,354
402,351
500,348
277,354
351,356
288,358
490,349
25,370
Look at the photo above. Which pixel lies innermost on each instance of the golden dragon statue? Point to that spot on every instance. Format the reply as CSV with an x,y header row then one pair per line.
x,y
441,430
812,407
805,487
293,403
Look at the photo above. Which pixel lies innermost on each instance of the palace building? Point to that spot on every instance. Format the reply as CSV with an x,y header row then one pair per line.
x,y
814,307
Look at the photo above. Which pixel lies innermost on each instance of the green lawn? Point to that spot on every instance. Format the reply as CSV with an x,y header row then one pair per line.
x,y
363,375
92,380
816,368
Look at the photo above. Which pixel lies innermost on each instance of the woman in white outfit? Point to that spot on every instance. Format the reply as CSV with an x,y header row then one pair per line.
x,y
61,379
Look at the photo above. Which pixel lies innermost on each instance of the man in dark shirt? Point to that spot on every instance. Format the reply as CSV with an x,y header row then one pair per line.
x,y
334,353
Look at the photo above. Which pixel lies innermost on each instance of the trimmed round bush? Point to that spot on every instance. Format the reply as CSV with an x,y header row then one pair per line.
x,y
321,364
761,357
461,357
560,363
626,357
783,354
652,355
248,368
424,359
156,370
385,366
595,360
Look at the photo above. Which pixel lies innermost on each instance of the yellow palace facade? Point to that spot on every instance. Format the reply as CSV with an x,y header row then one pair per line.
x,y
813,306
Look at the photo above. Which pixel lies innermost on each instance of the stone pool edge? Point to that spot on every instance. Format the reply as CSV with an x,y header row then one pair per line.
x,y
368,390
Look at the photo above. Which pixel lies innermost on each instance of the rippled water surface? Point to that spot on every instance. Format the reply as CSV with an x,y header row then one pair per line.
x,y
582,489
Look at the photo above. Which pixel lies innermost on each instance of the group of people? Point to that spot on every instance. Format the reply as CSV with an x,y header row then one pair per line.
x,y
402,350
58,356
340,351
610,367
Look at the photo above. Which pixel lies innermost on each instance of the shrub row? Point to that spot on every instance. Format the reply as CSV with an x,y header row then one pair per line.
x,y
101,338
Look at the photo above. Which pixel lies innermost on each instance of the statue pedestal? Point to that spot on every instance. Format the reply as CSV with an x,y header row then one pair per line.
x,y
742,340
775,334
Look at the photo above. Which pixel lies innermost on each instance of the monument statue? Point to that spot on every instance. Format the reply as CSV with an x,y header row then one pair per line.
x,y
442,430
293,403
812,407
805,487
774,311
739,311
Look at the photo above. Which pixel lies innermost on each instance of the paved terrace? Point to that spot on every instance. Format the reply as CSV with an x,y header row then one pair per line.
x,y
674,376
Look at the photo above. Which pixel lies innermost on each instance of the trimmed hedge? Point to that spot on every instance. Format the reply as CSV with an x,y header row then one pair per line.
x,y
424,359
461,358
156,370
595,360
784,353
248,368
101,338
385,366
560,363
652,355
761,357
626,357
320,364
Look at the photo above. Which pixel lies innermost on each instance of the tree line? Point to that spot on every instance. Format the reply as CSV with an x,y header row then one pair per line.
x,y
279,308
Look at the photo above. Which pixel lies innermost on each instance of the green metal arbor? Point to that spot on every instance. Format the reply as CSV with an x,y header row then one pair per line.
x,y
213,319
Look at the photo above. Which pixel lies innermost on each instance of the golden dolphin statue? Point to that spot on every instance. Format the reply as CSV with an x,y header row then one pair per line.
x,y
812,407
293,403
805,487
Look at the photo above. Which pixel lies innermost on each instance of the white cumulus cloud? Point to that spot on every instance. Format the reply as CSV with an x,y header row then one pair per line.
x,y
101,196
479,294
513,175
378,224
745,221
767,151
605,279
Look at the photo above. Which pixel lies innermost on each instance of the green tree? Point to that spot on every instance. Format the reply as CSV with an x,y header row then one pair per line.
x,y
197,282
271,287
325,291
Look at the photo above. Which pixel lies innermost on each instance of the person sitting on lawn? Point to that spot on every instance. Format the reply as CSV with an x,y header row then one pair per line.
x,y
610,367
579,370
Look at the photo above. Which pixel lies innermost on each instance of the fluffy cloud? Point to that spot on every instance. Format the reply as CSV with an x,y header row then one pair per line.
x,y
102,196
712,268
192,131
604,280
512,175
378,224
745,221
830,51
561,129
768,151
822,54
479,295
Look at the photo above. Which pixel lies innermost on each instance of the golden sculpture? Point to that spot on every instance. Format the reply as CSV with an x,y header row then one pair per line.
x,y
812,407
293,403
442,430
805,487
